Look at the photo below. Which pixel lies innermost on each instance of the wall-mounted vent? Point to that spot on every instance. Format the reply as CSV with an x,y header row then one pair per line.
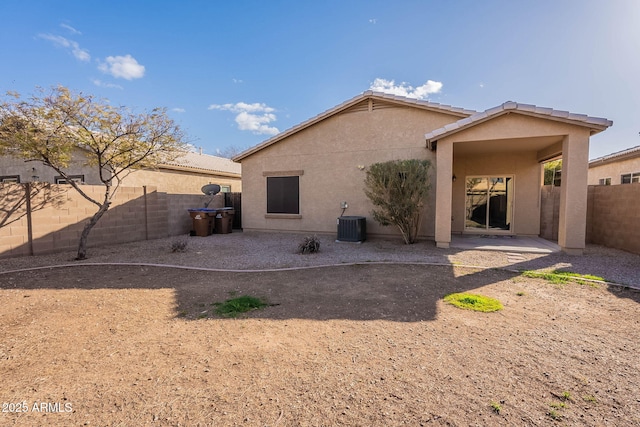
x,y
352,229
372,104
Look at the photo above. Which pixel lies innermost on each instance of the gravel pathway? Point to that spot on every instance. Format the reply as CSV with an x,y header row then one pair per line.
x,y
248,251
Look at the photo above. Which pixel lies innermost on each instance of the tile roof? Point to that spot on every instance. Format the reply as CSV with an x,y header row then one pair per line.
x,y
401,100
596,123
205,162
618,155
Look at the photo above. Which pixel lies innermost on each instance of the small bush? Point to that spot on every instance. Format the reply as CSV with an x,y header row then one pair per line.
x,y
179,244
310,245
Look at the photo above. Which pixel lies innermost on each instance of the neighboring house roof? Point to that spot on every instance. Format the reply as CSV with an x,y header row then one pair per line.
x,y
375,96
204,163
596,124
629,153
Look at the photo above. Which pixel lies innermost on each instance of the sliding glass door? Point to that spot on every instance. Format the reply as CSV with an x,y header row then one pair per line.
x,y
489,203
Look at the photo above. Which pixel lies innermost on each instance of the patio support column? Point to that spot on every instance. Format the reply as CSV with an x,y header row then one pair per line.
x,y
444,172
573,193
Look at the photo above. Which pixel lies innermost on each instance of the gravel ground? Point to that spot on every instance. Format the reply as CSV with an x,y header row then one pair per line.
x,y
253,251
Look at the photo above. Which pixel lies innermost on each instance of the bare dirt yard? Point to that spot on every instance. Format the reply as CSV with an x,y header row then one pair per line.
x,y
358,345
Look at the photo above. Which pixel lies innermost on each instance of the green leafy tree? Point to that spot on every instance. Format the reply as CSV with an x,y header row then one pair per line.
x,y
50,126
552,172
398,190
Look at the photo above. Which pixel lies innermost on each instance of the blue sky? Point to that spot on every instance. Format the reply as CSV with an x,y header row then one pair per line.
x,y
233,73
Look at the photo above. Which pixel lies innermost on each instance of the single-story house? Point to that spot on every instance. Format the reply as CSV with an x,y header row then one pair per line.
x,y
486,176
186,175
189,173
622,167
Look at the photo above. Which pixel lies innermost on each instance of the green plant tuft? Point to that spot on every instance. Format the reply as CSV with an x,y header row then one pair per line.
x,y
233,307
496,407
473,302
555,415
560,277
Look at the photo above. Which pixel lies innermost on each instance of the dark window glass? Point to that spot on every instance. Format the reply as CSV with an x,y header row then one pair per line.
x,y
283,194
76,178
10,178
626,179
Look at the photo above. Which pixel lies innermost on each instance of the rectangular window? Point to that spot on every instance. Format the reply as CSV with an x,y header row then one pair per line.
x,y
283,195
605,181
225,189
630,178
10,178
489,203
79,179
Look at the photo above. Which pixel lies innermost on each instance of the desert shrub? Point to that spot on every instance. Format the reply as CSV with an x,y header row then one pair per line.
x,y
309,245
398,190
179,244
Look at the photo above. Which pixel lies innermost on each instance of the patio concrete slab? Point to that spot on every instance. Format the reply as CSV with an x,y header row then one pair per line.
x,y
516,244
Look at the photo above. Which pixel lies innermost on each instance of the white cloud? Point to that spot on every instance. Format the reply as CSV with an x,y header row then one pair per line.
x,y
252,117
70,28
74,47
405,89
125,67
178,110
237,81
373,21
100,83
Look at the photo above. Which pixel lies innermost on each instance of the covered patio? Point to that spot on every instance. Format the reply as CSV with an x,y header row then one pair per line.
x,y
489,173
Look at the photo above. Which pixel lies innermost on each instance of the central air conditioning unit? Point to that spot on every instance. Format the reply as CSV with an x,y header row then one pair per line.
x,y
352,229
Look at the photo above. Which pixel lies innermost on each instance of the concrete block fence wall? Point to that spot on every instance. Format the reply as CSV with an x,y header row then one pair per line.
x,y
549,212
612,215
38,218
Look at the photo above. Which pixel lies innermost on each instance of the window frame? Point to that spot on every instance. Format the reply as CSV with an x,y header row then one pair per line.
x,y
286,212
632,177
10,179
79,179
604,181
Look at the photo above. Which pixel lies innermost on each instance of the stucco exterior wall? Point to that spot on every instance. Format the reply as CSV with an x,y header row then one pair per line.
x,y
613,170
525,170
179,182
512,144
331,155
167,180
36,171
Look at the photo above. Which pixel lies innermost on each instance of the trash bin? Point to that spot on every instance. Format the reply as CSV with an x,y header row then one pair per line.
x,y
202,221
224,220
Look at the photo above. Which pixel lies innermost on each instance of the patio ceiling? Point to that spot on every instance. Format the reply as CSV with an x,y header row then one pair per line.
x,y
535,144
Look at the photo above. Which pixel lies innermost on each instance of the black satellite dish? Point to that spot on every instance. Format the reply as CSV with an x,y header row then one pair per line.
x,y
210,189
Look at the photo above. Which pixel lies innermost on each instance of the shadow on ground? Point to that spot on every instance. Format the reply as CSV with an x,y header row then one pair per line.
x,y
394,292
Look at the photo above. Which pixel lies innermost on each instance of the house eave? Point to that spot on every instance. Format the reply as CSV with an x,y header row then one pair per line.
x,y
199,171
628,154
594,124
399,100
